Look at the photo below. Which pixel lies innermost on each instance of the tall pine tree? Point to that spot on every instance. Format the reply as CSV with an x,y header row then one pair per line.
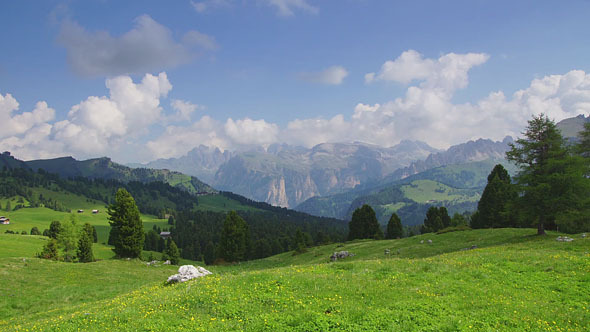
x,y
364,224
436,219
85,254
235,238
126,227
395,229
493,206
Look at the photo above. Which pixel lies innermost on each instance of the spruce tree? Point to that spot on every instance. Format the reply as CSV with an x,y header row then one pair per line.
x,y
299,242
172,252
436,219
493,206
91,231
126,227
209,253
235,235
49,250
394,227
364,224
84,253
8,207
54,229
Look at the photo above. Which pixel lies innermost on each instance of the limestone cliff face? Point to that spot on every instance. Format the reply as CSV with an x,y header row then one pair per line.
x,y
286,176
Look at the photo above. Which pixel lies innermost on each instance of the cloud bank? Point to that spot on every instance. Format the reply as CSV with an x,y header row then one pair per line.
x,y
122,124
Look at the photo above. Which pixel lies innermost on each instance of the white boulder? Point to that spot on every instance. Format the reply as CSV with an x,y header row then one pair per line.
x,y
188,272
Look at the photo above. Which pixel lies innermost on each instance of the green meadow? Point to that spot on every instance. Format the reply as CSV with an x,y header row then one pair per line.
x,y
512,281
41,217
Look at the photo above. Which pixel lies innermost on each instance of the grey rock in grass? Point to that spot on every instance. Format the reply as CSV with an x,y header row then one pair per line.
x,y
564,239
429,241
188,272
340,255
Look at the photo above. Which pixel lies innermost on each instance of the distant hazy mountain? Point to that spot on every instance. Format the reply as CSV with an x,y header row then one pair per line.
x,y
479,150
104,168
285,176
472,163
572,126
202,162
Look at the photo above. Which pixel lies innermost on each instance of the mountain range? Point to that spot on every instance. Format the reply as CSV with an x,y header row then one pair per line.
x,y
285,175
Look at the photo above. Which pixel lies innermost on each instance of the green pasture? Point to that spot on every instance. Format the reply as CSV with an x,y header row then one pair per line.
x,y
512,281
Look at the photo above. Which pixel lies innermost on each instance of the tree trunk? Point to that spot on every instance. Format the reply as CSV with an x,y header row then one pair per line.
x,y
541,228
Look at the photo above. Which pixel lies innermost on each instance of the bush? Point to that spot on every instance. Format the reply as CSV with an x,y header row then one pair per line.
x,y
49,250
35,231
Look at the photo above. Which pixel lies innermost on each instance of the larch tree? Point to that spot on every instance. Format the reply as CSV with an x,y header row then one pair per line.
x,y
551,181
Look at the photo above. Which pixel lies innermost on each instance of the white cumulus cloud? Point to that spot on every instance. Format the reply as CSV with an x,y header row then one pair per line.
x,y
251,132
15,124
334,75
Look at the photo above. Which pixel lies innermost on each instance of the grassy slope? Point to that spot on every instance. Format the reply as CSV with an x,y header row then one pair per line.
x,y
514,282
424,191
25,219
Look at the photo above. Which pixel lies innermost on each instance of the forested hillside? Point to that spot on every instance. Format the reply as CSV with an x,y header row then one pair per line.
x,y
195,222
104,168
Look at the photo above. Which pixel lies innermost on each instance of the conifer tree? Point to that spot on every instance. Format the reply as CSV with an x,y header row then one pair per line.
x,y
493,206
8,207
68,238
299,242
91,231
209,253
84,253
364,224
436,219
394,227
126,227
54,229
172,252
49,250
545,174
235,236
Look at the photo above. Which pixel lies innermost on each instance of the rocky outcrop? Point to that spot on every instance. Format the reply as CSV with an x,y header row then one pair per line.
x,y
340,255
186,273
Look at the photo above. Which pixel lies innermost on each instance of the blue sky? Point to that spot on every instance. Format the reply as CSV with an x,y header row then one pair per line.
x,y
237,73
